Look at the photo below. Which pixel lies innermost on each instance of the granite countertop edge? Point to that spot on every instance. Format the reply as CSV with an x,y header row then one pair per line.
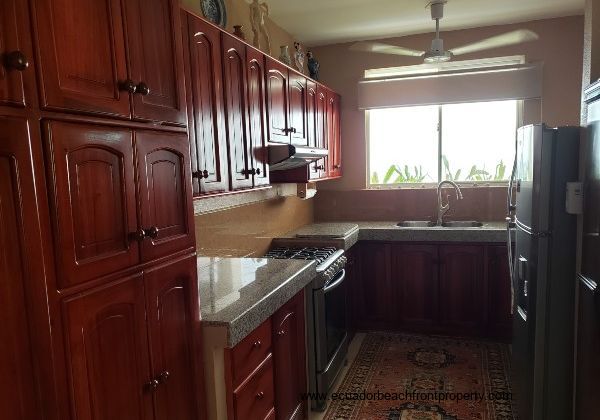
x,y
247,321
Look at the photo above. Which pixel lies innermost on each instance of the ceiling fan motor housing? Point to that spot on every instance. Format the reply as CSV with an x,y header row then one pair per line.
x,y
437,9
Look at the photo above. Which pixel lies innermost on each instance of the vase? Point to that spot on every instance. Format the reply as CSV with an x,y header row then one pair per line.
x,y
238,30
284,57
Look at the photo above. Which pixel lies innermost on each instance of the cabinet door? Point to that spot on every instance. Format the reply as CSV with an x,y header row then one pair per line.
x,y
205,106
234,73
93,201
107,349
298,123
81,50
277,101
462,288
320,167
334,139
172,313
312,122
372,299
165,193
21,269
16,69
499,300
415,285
289,345
156,60
257,121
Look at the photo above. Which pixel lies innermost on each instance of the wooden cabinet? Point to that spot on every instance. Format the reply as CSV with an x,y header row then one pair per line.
x,y
108,361
434,288
16,68
98,224
21,272
415,284
234,77
462,287
277,88
156,60
255,398
208,140
171,312
290,359
165,193
257,117
316,110
85,47
334,137
130,346
298,109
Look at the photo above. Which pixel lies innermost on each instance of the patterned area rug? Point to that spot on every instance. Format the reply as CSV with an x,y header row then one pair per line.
x,y
416,377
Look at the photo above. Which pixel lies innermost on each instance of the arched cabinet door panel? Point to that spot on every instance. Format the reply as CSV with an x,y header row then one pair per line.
x,y
108,363
298,112
93,201
166,210
21,270
277,101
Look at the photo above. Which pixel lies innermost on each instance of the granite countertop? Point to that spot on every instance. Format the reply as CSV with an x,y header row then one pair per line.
x,y
238,294
491,232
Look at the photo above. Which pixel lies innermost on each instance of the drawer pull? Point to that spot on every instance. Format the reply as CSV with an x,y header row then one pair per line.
x,y
162,378
260,395
152,385
257,344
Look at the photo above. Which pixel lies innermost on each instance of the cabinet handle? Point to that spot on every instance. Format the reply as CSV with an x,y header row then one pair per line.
x,y
200,174
257,171
162,378
249,171
152,232
127,86
260,395
281,333
152,385
337,166
289,130
257,344
16,60
138,235
319,168
143,89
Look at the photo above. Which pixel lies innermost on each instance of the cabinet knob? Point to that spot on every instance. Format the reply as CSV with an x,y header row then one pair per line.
x,y
251,171
319,168
16,60
257,171
164,376
337,166
200,174
127,86
152,385
260,395
289,130
151,232
143,89
281,333
138,235
257,344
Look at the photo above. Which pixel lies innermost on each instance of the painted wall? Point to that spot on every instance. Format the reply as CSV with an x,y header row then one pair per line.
x,y
238,13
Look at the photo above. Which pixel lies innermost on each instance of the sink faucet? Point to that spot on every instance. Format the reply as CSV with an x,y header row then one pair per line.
x,y
443,208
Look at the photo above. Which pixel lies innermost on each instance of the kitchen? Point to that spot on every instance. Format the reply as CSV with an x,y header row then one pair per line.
x,y
376,220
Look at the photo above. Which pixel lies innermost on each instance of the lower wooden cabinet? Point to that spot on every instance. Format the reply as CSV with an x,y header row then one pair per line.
x,y
434,288
130,346
290,359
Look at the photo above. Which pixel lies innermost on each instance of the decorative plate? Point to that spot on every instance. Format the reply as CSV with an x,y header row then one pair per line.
x,y
215,11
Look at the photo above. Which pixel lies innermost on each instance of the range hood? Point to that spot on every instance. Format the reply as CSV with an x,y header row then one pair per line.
x,y
288,156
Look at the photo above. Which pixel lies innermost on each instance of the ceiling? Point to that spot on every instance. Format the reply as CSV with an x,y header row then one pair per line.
x,y
320,22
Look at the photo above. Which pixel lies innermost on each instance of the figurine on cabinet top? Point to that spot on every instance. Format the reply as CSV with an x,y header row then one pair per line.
x,y
258,13
299,57
313,66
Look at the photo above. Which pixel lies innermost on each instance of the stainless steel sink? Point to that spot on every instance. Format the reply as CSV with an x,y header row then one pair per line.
x,y
462,224
416,223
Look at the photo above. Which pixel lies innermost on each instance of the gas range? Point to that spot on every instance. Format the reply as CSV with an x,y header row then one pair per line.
x,y
330,260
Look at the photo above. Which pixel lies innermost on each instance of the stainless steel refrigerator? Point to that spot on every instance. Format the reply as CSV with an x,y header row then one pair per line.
x,y
543,271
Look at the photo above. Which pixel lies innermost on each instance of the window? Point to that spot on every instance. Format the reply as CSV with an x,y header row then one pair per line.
x,y
466,142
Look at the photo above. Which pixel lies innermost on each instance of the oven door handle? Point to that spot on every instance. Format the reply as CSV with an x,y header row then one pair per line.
x,y
336,283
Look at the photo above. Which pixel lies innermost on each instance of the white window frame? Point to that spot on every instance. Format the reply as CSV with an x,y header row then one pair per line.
x,y
370,186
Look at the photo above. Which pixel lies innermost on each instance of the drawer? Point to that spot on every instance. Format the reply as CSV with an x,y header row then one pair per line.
x,y
255,397
250,352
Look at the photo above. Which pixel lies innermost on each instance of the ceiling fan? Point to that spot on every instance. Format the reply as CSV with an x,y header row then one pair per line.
x,y
437,53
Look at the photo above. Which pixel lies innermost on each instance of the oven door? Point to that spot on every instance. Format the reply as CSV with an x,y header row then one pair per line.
x,y
331,327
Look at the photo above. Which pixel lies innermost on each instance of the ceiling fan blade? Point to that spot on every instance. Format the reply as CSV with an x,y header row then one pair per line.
x,y
510,38
378,47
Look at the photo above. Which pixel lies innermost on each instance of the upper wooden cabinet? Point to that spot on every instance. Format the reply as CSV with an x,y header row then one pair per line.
x,y
205,105
98,223
84,48
16,65
334,137
21,272
234,76
298,109
277,101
